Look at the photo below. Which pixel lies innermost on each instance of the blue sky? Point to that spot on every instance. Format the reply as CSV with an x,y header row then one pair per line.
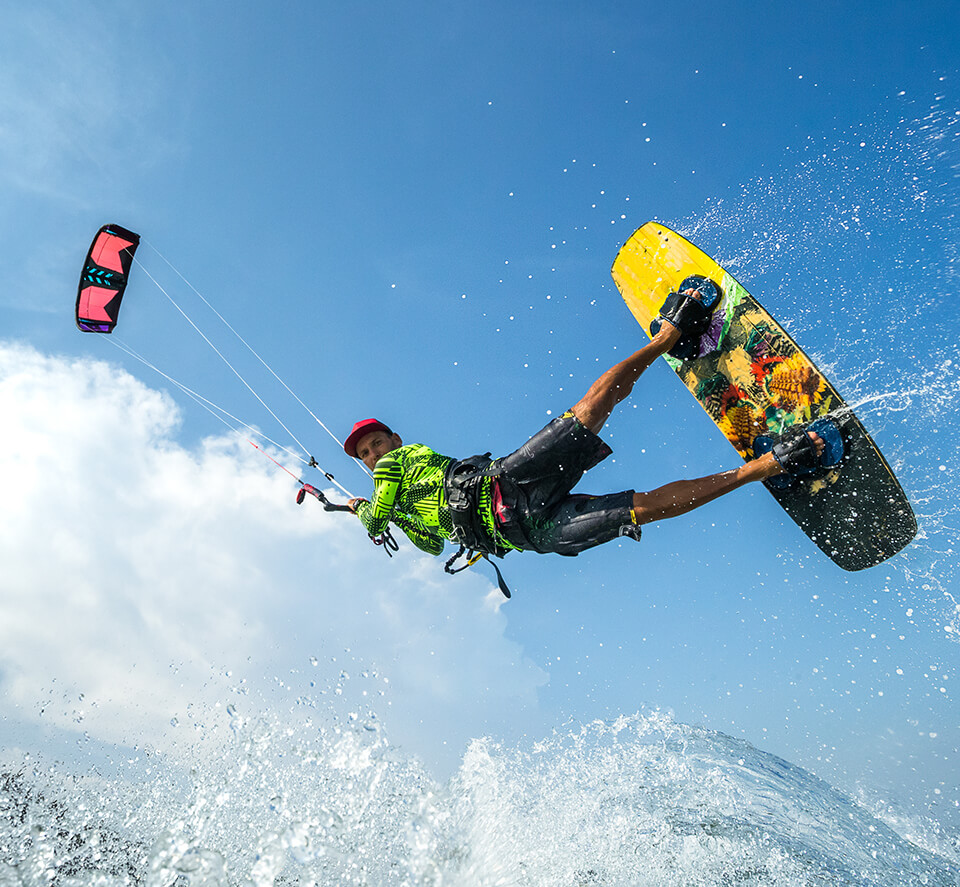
x,y
411,213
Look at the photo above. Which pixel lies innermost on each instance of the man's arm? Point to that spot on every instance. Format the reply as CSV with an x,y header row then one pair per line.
x,y
431,543
376,514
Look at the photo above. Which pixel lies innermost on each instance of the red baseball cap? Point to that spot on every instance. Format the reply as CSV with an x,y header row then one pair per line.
x,y
364,426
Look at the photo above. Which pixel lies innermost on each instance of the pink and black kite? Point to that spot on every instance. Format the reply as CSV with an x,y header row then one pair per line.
x,y
104,278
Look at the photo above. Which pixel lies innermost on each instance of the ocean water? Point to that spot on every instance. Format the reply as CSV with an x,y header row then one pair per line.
x,y
644,800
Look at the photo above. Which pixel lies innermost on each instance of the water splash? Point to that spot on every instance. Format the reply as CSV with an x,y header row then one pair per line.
x,y
641,800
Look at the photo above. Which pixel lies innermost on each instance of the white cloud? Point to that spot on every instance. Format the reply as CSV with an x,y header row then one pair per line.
x,y
136,573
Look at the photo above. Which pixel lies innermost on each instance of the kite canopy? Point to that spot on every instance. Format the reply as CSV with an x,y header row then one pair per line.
x,y
104,278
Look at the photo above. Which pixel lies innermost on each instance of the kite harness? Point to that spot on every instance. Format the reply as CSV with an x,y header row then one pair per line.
x,y
461,485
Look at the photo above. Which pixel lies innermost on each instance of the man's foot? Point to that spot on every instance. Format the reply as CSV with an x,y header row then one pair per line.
x,y
802,451
668,335
688,312
772,468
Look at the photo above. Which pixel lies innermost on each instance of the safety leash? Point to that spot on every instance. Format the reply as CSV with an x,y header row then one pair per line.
x,y
472,557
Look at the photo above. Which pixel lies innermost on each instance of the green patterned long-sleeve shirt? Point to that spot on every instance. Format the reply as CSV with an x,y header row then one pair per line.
x,y
408,491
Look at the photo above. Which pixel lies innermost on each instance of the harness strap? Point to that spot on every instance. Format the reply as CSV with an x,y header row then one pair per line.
x,y
386,539
503,585
472,558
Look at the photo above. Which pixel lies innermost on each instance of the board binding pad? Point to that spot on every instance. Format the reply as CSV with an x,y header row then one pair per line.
x,y
751,378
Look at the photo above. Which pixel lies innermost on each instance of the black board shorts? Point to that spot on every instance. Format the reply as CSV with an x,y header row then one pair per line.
x,y
533,503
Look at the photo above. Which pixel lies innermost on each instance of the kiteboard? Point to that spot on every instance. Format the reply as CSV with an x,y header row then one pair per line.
x,y
753,379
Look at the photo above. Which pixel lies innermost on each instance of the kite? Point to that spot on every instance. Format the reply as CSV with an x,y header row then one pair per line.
x,y
104,278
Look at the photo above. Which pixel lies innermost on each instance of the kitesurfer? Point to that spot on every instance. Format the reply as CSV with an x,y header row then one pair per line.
x,y
524,501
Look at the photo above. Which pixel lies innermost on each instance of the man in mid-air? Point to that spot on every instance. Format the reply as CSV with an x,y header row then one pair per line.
x,y
524,501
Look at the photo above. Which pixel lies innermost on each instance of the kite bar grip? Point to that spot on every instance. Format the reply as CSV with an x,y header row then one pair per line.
x,y
323,500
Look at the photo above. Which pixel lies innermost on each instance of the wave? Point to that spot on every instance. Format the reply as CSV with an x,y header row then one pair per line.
x,y
643,800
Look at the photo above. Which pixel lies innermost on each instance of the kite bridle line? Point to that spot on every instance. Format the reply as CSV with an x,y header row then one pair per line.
x,y
219,413
220,354
385,538
246,344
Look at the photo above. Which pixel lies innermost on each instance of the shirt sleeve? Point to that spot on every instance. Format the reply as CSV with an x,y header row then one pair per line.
x,y
376,514
421,536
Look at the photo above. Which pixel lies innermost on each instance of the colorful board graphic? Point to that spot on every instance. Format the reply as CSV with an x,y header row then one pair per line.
x,y
752,378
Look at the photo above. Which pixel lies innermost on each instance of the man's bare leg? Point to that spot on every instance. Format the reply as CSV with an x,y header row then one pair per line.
x,y
595,407
682,496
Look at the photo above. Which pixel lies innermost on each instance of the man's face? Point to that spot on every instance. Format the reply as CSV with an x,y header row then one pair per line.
x,y
377,443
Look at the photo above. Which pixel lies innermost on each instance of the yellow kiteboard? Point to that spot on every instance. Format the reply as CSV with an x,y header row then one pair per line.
x,y
753,379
